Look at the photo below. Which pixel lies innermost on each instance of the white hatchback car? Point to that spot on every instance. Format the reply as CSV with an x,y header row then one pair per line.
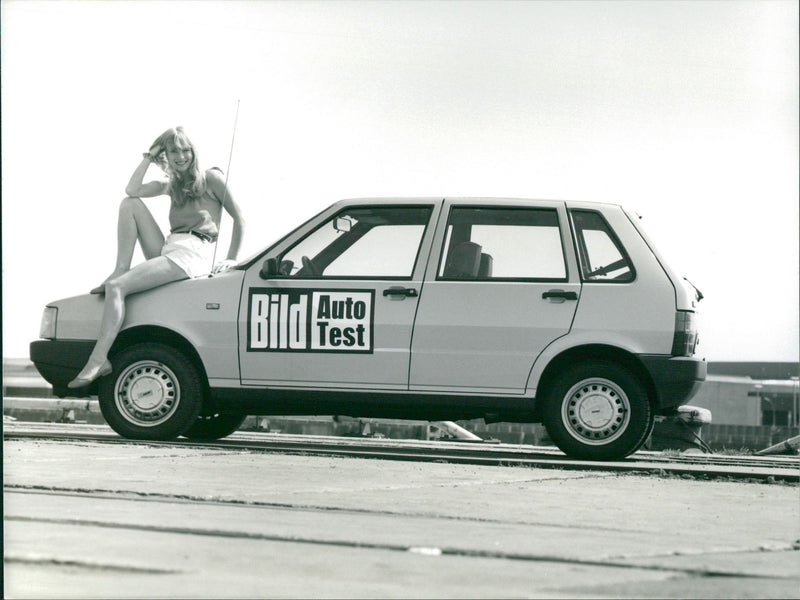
x,y
426,308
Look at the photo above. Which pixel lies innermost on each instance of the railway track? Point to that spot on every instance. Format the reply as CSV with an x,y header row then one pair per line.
x,y
702,466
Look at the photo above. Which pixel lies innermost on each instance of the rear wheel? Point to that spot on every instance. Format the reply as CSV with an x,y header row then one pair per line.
x,y
597,410
154,393
214,427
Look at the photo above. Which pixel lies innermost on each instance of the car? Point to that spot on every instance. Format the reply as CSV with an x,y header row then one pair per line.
x,y
516,310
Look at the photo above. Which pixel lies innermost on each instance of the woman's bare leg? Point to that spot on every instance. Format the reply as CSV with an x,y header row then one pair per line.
x,y
149,274
135,222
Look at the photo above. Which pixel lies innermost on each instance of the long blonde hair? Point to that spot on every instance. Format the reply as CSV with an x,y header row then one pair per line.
x,y
186,186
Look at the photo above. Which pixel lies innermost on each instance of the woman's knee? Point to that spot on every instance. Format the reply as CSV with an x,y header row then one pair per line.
x,y
132,204
115,289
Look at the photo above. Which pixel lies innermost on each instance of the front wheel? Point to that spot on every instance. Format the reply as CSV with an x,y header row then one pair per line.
x,y
597,410
154,393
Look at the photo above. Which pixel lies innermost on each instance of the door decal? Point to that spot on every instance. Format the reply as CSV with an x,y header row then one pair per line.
x,y
310,320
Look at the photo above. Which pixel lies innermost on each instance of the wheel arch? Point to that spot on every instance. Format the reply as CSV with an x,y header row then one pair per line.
x,y
595,352
154,333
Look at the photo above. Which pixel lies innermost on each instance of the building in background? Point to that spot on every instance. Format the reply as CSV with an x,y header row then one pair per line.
x,y
751,393
753,404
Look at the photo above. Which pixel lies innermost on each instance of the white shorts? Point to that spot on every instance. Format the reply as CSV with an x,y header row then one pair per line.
x,y
190,253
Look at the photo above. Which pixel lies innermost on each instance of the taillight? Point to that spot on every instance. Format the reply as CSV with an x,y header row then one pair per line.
x,y
685,338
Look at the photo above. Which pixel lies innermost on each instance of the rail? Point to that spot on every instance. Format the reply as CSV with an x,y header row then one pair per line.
x,y
701,466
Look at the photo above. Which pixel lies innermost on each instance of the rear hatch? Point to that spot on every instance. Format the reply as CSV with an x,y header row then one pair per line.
x,y
687,296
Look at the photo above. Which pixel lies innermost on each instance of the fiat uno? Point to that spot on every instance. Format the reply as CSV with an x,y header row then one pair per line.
x,y
556,312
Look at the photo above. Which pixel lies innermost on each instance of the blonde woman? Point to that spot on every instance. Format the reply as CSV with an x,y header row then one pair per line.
x,y
196,201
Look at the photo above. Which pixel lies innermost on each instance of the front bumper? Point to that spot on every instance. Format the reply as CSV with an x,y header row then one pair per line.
x,y
59,361
676,379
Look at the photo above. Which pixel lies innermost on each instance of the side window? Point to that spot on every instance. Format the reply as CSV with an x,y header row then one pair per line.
x,y
601,254
379,242
503,244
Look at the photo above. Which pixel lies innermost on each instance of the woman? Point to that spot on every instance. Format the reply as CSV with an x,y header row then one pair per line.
x,y
197,200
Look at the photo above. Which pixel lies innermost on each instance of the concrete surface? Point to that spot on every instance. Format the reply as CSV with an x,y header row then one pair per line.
x,y
91,520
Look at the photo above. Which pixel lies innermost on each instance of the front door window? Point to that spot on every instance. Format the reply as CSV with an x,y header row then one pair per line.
x,y
375,243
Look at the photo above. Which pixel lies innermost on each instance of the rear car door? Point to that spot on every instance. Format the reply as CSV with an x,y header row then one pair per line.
x,y
501,285
341,309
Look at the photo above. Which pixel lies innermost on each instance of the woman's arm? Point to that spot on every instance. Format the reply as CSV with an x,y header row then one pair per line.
x,y
137,188
216,182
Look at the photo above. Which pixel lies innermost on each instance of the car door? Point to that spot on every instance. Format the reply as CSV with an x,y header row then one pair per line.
x,y
339,310
501,285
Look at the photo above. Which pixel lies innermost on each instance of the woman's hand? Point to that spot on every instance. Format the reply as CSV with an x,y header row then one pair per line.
x,y
155,150
157,156
136,186
223,265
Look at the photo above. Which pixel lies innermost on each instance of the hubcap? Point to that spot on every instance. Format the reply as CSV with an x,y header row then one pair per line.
x,y
595,411
147,393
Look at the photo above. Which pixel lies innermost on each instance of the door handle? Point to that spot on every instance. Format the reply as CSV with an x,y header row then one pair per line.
x,y
400,291
560,294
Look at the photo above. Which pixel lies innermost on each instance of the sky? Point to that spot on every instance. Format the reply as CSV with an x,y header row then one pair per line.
x,y
685,112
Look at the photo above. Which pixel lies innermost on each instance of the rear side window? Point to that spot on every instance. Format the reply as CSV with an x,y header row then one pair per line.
x,y
503,244
602,256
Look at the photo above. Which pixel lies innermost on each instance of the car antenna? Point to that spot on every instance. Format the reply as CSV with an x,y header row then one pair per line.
x,y
225,193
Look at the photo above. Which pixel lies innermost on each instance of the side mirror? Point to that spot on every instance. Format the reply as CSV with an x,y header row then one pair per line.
x,y
286,267
342,224
269,269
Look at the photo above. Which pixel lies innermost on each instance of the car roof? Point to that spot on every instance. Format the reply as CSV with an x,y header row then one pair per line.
x,y
485,200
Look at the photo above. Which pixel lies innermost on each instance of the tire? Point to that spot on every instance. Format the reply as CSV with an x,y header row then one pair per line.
x,y
597,410
647,442
154,392
214,427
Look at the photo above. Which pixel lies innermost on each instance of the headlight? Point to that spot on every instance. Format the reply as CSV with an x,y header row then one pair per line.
x,y
47,330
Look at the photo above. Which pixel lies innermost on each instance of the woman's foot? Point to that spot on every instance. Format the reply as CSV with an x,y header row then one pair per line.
x,y
101,289
89,374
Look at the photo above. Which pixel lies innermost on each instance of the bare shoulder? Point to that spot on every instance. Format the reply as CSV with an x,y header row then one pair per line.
x,y
215,173
215,180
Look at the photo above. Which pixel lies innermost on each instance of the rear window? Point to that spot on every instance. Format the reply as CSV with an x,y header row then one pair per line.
x,y
496,244
602,257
